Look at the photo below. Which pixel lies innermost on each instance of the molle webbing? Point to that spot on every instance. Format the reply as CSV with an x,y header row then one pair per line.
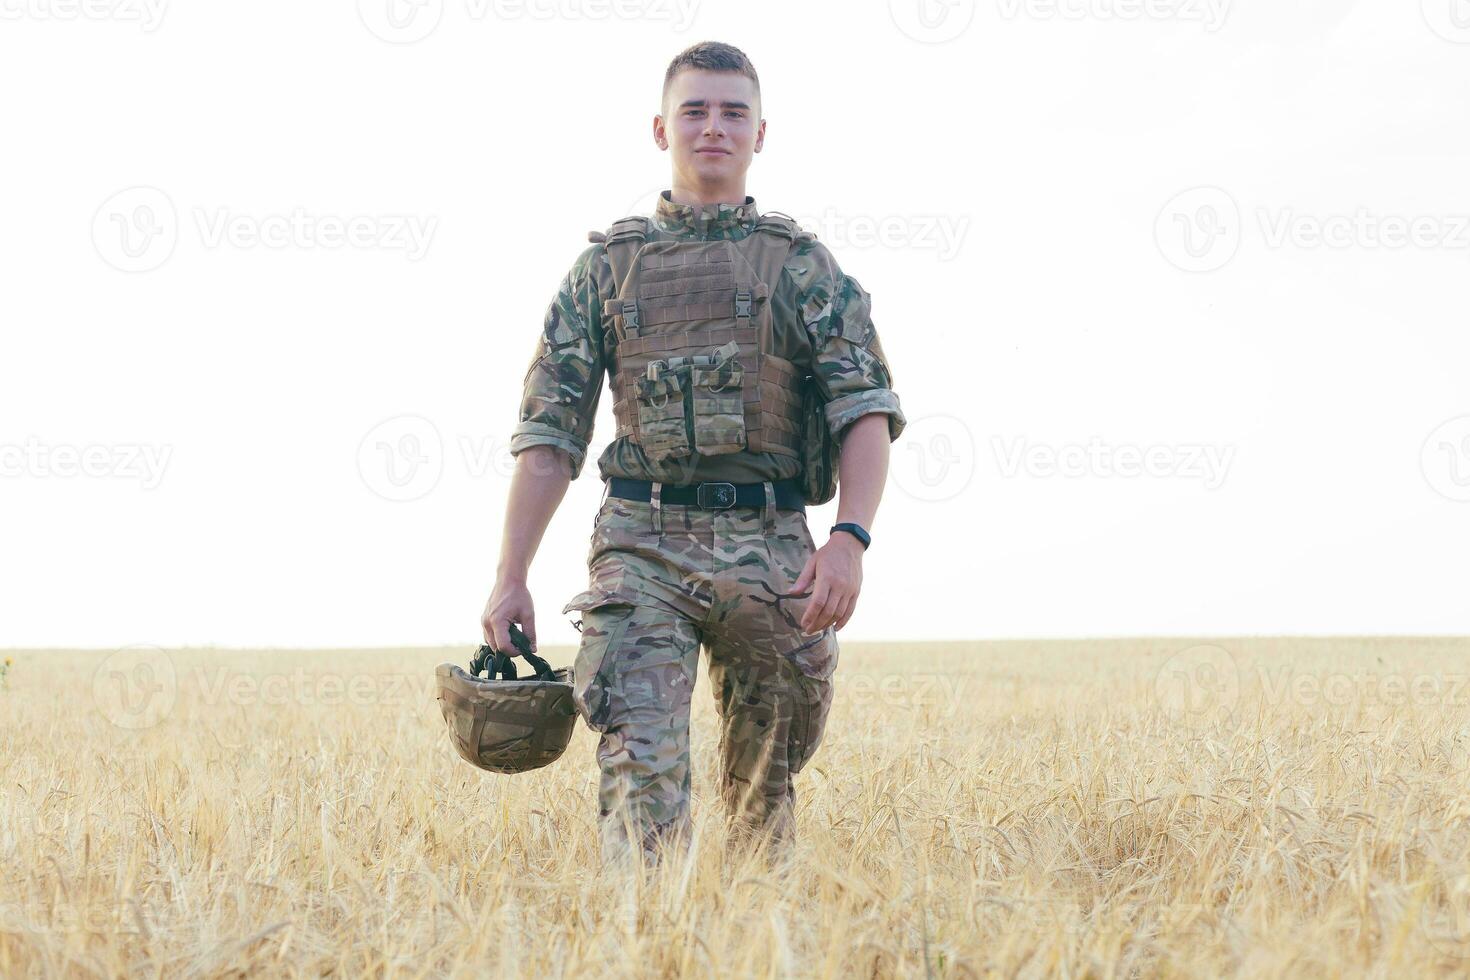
x,y
676,286
772,407
624,239
720,289
766,248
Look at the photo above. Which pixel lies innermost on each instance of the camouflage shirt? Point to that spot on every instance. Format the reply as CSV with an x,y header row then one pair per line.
x,y
821,320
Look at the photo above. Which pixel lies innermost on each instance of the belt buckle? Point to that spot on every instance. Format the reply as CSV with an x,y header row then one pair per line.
x,y
715,496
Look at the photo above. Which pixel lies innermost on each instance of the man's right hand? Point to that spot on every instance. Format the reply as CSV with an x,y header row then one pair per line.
x,y
509,602
536,487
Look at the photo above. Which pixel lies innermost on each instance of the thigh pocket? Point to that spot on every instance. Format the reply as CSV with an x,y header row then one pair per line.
x,y
719,408
605,618
810,666
635,663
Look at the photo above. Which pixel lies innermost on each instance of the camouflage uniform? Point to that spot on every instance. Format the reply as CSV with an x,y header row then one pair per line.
x,y
664,581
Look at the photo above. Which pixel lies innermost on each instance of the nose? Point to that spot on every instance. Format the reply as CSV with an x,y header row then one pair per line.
x,y
714,127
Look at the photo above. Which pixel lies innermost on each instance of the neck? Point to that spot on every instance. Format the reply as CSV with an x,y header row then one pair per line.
x,y
696,194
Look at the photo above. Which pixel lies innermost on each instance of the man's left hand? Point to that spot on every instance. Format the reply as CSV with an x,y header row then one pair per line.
x,y
834,574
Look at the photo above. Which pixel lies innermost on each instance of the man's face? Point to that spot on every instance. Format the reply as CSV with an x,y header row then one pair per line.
x,y
713,127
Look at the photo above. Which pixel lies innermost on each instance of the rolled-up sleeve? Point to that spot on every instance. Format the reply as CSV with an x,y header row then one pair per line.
x,y
562,386
850,368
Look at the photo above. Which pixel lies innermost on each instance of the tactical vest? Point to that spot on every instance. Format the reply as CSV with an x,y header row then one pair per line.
x,y
690,354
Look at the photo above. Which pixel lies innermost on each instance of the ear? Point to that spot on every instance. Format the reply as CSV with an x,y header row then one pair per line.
x,y
760,136
660,137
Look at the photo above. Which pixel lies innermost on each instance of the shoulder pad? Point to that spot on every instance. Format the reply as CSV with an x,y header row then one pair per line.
x,y
633,226
784,224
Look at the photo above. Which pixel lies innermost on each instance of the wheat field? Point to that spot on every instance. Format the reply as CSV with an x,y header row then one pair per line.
x,y
1111,808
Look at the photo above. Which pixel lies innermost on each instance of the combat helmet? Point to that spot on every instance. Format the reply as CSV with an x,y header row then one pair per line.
x,y
501,723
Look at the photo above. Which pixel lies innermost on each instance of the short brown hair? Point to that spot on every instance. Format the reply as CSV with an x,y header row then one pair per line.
x,y
711,56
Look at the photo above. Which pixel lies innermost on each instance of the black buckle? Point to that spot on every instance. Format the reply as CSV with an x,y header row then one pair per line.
x,y
715,496
742,303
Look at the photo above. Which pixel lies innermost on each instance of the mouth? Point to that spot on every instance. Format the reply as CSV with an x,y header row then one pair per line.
x,y
713,152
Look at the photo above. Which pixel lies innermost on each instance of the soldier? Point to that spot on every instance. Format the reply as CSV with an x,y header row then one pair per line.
x,y
707,321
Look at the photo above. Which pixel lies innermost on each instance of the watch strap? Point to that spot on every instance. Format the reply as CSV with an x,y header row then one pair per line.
x,y
856,530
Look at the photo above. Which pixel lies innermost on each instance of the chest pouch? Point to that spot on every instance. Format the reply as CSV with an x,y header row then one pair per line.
x,y
662,411
718,391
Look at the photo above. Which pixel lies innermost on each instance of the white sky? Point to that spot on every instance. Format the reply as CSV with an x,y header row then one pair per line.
x,y
1032,182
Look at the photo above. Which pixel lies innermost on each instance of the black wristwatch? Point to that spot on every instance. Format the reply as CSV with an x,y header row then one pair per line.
x,y
856,530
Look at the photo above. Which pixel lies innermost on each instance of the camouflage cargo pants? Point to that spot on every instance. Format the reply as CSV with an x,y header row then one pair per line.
x,y
711,578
